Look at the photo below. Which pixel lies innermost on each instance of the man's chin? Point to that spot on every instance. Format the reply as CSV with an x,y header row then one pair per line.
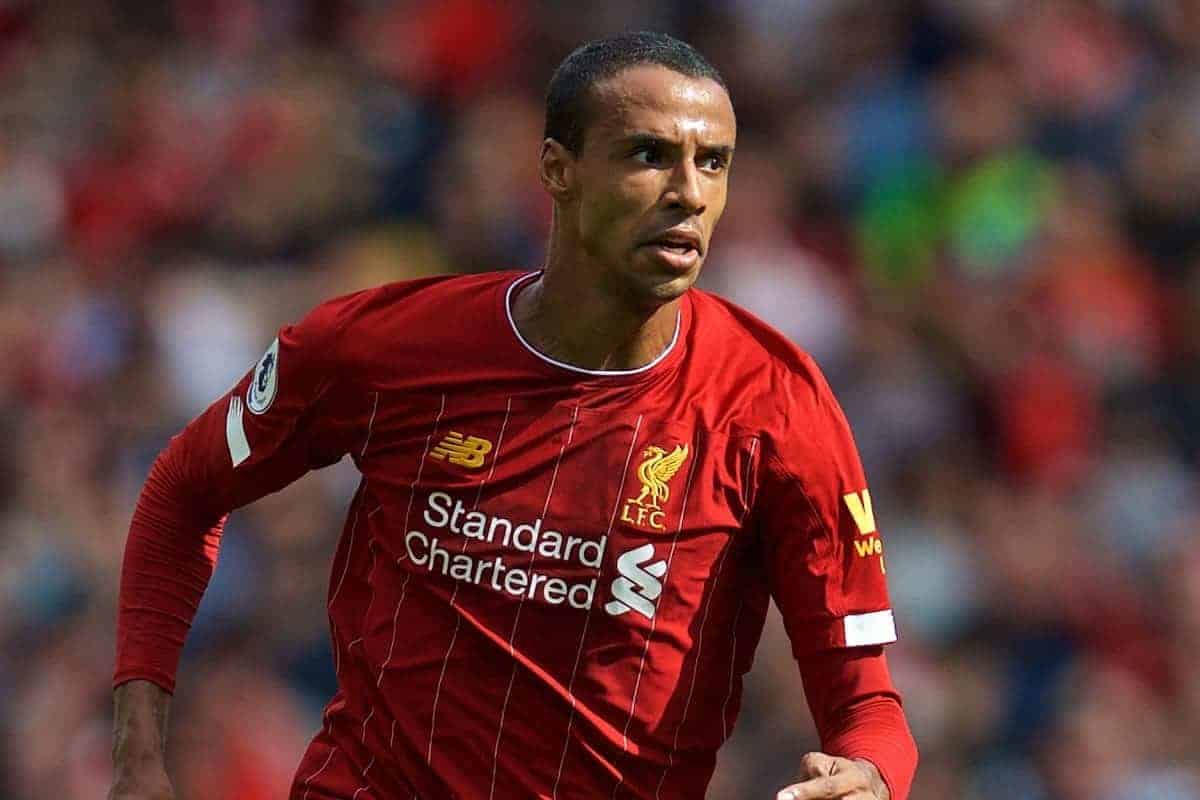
x,y
656,289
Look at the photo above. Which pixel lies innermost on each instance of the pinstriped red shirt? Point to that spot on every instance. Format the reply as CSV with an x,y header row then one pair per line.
x,y
551,580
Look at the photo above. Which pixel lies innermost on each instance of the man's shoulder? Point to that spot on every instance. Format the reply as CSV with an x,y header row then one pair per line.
x,y
779,387
411,305
394,322
742,341
445,294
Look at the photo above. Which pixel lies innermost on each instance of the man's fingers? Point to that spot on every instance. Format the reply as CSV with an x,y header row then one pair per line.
x,y
826,787
814,765
827,778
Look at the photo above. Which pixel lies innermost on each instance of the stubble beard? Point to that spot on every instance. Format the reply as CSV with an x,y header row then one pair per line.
x,y
653,288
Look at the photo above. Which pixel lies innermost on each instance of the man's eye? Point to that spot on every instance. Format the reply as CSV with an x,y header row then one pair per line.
x,y
648,155
714,162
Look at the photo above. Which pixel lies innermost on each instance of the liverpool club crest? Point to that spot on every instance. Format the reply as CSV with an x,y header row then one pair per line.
x,y
655,472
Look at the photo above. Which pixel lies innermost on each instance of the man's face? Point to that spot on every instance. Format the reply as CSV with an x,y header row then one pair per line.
x,y
649,185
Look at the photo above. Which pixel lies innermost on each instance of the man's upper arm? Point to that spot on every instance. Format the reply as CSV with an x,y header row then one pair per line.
x,y
285,417
290,413
823,551
826,566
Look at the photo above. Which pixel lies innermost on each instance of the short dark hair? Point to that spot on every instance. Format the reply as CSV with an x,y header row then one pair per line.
x,y
567,95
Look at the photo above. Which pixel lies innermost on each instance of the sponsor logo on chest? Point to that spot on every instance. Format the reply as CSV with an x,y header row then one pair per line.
x,y
467,544
639,584
440,548
443,546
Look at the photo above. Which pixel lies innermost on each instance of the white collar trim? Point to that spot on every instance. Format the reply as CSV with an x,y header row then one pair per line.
x,y
508,296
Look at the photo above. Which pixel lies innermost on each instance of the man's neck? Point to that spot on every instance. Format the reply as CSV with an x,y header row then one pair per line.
x,y
581,324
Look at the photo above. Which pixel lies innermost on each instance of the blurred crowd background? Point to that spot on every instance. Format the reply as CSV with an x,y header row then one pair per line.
x,y
982,218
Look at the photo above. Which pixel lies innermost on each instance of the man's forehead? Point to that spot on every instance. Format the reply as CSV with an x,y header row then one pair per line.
x,y
657,100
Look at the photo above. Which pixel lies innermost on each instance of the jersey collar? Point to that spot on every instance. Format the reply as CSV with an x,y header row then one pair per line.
x,y
524,280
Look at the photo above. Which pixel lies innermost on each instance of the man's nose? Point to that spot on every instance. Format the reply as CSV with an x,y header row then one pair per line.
x,y
685,190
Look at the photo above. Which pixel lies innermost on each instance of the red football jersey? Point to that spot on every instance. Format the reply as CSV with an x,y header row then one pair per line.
x,y
551,580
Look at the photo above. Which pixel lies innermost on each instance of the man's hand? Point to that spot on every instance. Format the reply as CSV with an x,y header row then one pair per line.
x,y
831,778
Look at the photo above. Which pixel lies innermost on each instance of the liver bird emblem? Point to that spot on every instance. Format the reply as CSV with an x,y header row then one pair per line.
x,y
655,472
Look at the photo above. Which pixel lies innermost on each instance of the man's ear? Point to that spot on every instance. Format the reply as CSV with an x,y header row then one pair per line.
x,y
558,169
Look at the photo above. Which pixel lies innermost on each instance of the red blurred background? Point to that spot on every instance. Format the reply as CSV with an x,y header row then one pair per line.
x,y
981,218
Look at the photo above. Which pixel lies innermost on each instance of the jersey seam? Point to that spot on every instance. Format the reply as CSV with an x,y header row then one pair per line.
x,y
839,612
327,359
750,495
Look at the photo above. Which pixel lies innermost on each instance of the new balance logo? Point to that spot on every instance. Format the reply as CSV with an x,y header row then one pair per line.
x,y
468,452
638,586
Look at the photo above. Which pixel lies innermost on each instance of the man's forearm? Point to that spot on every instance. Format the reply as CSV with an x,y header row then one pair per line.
x,y
139,724
875,732
858,713
170,556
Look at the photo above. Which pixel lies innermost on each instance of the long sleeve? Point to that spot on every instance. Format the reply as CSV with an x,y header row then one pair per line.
x,y
858,712
285,417
169,558
824,555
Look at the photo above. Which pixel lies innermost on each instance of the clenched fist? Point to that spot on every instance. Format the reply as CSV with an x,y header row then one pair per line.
x,y
828,777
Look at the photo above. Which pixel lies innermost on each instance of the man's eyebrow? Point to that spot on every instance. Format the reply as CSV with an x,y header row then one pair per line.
x,y
645,138
642,139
